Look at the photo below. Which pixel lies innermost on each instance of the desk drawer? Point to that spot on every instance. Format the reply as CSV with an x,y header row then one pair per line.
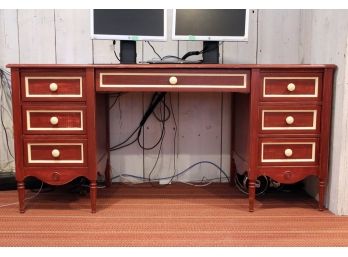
x,y
288,119
54,119
52,88
285,151
283,87
68,152
173,80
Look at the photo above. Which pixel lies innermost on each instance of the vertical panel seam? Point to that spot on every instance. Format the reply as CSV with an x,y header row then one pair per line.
x,y
221,130
18,41
92,50
257,36
55,36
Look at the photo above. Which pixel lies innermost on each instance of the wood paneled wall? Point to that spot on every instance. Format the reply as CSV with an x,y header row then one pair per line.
x,y
203,121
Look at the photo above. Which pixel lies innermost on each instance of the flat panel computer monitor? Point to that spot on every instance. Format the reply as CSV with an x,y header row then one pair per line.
x,y
129,26
210,26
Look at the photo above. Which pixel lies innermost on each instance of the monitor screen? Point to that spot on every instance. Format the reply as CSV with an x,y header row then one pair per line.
x,y
129,24
210,25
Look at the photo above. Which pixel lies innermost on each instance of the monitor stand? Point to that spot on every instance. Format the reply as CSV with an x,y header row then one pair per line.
x,y
211,52
128,52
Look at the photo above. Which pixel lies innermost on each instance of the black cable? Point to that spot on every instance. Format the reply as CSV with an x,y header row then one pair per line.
x,y
5,84
171,56
166,107
121,145
156,99
204,50
244,186
115,101
114,44
158,141
180,173
188,54
6,136
154,50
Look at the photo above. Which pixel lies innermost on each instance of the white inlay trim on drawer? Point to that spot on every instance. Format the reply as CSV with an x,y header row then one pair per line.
x,y
312,159
244,85
29,128
30,160
27,93
316,85
313,127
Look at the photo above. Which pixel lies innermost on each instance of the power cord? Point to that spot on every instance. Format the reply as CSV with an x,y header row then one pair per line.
x,y
176,175
156,99
114,45
153,49
242,183
5,97
204,50
29,198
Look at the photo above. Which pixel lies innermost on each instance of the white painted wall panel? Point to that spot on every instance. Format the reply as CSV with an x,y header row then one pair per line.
x,y
103,52
152,132
9,53
325,41
278,36
73,41
199,134
340,205
124,119
37,36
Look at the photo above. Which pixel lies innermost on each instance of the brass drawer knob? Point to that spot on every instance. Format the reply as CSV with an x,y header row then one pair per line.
x,y
55,153
289,120
53,87
291,87
54,120
288,152
173,80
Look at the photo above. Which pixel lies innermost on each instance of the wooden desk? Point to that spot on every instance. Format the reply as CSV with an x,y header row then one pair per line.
x,y
58,111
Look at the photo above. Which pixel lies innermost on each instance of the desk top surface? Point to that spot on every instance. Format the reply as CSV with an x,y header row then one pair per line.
x,y
177,66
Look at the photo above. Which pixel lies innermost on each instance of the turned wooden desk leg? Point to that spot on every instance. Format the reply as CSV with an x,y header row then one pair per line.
x,y
107,133
321,195
93,195
251,195
21,195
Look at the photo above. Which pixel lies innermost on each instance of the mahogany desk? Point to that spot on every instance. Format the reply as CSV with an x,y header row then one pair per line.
x,y
59,113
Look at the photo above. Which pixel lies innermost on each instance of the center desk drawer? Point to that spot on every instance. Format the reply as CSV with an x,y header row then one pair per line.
x,y
54,119
57,152
173,80
285,151
289,119
291,87
52,87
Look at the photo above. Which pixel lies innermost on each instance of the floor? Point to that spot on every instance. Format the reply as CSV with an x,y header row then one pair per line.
x,y
173,215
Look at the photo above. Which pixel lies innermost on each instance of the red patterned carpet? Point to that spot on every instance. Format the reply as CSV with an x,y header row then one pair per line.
x,y
174,215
